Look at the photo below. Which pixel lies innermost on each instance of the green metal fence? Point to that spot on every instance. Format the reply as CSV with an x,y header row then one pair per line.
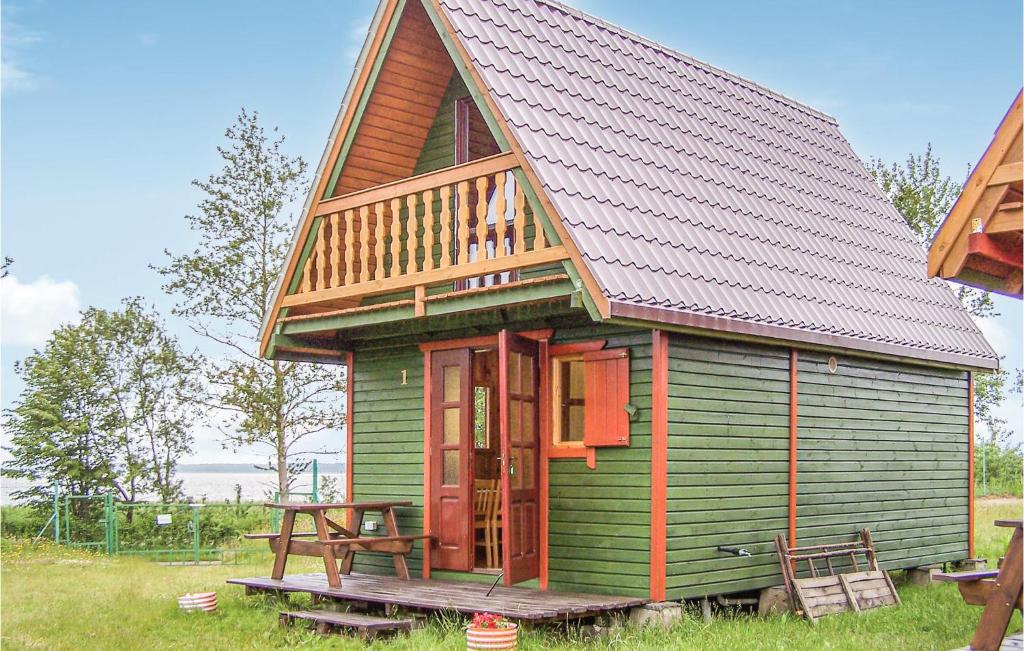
x,y
173,533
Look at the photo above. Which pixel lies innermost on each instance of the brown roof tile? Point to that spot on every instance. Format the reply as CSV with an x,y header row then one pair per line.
x,y
714,200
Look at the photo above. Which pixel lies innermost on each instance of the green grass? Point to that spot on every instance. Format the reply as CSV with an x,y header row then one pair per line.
x,y
53,598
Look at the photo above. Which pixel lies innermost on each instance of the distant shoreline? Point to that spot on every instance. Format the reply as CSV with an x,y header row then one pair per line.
x,y
328,468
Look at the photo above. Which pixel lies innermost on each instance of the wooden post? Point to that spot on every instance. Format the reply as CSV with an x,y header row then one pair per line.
x,y
500,207
364,244
462,198
659,464
350,247
429,223
411,237
970,464
481,218
396,245
378,237
337,275
446,226
793,457
519,221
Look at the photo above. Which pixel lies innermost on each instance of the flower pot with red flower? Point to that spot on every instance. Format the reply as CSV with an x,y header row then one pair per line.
x,y
489,631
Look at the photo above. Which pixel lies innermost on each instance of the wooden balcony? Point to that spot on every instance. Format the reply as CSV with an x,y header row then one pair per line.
x,y
468,226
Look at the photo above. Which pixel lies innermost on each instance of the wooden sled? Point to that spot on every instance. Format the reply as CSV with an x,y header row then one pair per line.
x,y
818,594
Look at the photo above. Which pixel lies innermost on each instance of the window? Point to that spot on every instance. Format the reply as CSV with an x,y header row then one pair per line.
x,y
482,417
567,400
589,397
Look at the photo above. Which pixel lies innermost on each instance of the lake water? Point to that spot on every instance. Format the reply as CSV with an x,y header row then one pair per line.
x,y
213,486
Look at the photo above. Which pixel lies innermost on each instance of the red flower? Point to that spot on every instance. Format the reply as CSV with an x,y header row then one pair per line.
x,y
489,620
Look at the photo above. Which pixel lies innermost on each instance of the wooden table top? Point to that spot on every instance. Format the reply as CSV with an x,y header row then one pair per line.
x,y
306,507
1010,523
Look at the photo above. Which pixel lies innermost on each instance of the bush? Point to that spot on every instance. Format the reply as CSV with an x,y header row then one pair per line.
x,y
998,471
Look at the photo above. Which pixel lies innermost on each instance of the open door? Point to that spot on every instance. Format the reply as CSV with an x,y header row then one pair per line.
x,y
517,390
451,454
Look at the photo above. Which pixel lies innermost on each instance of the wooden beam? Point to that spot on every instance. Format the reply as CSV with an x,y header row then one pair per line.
x,y
659,464
1007,173
411,185
991,248
1008,218
970,464
793,455
958,221
409,281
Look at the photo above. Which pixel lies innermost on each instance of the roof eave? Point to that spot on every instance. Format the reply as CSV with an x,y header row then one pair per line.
x,y
794,336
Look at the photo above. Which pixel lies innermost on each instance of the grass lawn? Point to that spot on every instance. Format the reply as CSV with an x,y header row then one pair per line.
x,y
61,599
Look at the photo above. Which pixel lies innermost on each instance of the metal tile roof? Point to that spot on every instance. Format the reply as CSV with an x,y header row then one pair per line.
x,y
700,198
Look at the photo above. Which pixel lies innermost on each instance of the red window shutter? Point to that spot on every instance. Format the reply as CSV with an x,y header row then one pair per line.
x,y
606,394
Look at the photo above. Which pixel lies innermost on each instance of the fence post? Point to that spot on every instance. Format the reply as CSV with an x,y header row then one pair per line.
x,y
195,533
316,482
56,513
108,521
67,520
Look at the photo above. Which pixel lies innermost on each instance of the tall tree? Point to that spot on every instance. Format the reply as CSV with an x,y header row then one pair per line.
x,y
224,289
106,406
924,196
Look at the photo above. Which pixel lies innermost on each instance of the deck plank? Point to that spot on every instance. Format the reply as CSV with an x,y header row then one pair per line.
x,y
460,596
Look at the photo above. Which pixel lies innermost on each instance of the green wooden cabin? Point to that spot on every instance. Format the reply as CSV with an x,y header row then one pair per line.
x,y
663,309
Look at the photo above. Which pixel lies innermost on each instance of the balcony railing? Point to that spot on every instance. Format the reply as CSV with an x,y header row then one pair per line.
x,y
469,225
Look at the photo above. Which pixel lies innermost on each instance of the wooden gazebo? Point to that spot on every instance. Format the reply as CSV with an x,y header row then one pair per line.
x,y
979,244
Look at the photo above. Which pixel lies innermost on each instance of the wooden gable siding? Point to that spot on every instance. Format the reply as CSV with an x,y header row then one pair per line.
x,y
599,520
402,104
439,148
728,461
884,446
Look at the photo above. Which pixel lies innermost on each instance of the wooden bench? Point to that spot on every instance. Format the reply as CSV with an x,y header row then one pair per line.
x,y
367,626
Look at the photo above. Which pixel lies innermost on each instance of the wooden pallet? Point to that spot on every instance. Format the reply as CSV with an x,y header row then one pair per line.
x,y
327,621
822,594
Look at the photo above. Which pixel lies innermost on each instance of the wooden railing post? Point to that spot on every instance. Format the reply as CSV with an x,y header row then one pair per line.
x,y
500,224
411,239
462,223
350,247
378,237
429,222
396,212
519,221
481,218
364,244
446,226
336,249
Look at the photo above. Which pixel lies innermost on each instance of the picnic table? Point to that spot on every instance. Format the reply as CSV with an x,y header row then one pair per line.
x,y
1000,591
329,536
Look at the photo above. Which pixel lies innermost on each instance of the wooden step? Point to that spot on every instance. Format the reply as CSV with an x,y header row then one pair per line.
x,y
368,626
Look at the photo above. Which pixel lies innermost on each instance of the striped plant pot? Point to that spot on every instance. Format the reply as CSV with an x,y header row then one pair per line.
x,y
492,638
204,601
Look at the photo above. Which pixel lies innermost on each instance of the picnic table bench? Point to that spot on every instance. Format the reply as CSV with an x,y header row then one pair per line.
x,y
330,536
1000,591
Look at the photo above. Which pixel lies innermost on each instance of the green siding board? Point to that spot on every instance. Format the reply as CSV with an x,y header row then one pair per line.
x,y
883,445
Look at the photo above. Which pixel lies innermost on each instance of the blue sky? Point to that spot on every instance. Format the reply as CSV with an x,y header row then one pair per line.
x,y
109,109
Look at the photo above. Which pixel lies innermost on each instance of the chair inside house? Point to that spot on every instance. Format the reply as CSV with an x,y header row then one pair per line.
x,y
487,521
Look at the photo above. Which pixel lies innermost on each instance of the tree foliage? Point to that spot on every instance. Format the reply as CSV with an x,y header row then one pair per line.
x,y
224,288
107,405
924,196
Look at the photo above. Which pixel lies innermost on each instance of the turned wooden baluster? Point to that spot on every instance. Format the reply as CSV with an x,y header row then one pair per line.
x,y
335,250
429,222
500,225
481,218
396,244
540,239
462,197
519,221
378,235
350,247
446,226
307,274
321,255
411,236
364,244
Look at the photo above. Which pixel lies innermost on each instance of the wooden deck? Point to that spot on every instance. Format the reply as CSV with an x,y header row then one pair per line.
x,y
435,595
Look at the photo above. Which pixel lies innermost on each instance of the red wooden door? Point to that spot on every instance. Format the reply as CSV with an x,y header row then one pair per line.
x,y
451,453
517,389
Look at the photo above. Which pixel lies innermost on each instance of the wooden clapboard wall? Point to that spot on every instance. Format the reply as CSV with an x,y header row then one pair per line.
x,y
728,463
883,446
402,106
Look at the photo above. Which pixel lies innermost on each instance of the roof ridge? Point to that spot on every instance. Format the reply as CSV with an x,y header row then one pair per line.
x,y
643,40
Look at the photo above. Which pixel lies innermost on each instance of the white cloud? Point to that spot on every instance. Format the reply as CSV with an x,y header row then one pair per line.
x,y
15,38
996,334
29,312
149,39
